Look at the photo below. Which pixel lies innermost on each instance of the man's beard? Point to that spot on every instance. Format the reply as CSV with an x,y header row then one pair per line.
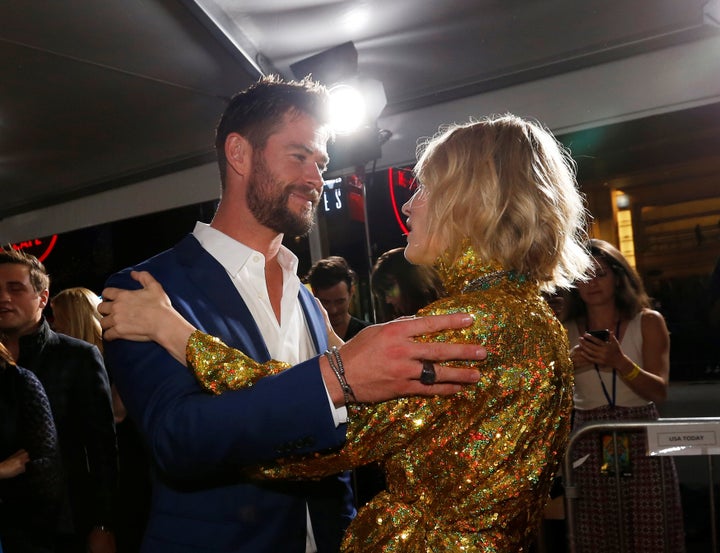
x,y
267,200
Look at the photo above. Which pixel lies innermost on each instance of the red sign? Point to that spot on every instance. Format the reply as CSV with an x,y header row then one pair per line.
x,y
39,247
402,184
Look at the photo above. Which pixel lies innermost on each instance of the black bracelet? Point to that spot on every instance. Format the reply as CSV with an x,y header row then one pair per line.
x,y
336,364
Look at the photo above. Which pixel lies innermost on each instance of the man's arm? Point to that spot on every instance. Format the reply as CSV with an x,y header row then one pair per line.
x,y
381,362
193,435
384,361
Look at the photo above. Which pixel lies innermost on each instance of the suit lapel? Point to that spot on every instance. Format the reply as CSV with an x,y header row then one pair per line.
x,y
224,314
314,319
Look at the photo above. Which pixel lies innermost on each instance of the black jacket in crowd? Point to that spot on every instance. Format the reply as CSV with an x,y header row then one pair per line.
x,y
30,501
74,377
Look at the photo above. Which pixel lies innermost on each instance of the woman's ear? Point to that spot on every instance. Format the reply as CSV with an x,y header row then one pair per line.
x,y
238,153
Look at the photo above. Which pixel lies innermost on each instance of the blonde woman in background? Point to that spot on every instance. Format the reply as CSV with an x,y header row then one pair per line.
x,y
75,314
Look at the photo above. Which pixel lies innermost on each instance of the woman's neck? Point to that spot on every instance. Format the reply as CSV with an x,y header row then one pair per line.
x,y
457,273
601,316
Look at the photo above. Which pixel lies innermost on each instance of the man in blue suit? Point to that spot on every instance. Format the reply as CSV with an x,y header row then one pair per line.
x,y
234,279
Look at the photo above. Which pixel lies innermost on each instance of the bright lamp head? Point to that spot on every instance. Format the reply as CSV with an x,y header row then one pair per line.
x,y
347,109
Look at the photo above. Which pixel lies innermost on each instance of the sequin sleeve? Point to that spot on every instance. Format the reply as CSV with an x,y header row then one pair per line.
x,y
220,368
514,377
377,431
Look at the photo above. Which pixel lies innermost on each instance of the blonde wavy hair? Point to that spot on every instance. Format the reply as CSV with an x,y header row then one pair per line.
x,y
508,187
76,314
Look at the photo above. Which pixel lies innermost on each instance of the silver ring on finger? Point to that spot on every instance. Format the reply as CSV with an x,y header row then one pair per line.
x,y
428,375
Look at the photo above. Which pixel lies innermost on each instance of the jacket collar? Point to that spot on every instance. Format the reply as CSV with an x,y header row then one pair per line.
x,y
31,345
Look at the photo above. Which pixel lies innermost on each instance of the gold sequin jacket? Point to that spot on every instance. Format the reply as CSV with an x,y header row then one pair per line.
x,y
469,472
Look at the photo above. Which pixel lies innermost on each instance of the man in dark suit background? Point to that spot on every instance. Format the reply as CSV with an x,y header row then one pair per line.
x,y
234,279
333,281
73,375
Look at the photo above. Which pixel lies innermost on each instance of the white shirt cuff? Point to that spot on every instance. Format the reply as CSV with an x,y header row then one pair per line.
x,y
339,414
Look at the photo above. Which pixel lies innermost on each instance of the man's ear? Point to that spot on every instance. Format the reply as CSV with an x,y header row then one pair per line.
x,y
44,296
238,153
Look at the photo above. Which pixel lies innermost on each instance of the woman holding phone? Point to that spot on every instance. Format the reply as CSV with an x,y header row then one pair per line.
x,y
620,349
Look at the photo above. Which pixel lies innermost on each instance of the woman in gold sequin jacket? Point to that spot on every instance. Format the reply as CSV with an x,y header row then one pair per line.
x,y
497,212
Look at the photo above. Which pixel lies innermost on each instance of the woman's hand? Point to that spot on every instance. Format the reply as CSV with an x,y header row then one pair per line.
x,y
144,315
578,358
14,465
137,315
601,353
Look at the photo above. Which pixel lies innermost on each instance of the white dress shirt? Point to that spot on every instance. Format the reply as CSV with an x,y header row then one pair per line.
x,y
287,340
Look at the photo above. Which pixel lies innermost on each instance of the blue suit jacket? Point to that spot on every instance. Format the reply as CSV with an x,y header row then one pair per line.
x,y
199,442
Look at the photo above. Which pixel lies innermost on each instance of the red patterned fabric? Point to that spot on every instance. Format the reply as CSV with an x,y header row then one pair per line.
x,y
645,512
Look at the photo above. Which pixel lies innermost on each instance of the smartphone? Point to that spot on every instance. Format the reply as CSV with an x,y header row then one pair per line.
x,y
604,334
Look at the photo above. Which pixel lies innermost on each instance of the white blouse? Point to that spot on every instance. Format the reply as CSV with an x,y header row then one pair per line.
x,y
588,391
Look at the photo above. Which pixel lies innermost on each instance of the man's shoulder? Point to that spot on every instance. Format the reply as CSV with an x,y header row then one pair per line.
x,y
162,266
65,343
66,352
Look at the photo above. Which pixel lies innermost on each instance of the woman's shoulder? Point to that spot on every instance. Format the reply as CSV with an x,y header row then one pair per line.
x,y
30,380
651,320
14,377
495,299
650,313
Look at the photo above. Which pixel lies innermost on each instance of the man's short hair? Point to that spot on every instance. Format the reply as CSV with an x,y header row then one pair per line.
x,y
256,112
39,278
329,271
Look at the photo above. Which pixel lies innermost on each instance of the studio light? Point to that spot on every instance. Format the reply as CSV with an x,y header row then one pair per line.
x,y
329,66
347,109
356,104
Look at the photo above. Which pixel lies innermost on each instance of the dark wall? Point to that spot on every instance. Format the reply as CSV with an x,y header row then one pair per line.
x,y
87,257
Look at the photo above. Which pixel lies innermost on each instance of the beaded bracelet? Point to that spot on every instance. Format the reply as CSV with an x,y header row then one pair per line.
x,y
336,364
633,374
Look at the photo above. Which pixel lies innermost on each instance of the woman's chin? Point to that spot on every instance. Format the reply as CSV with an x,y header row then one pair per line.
x,y
417,257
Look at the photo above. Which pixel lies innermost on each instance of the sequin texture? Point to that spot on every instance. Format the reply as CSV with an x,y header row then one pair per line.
x,y
470,472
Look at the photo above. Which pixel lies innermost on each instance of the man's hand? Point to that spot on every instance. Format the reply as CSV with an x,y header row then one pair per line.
x,y
384,361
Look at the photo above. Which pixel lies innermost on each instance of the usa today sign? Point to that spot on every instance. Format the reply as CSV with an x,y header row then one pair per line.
x,y
701,438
